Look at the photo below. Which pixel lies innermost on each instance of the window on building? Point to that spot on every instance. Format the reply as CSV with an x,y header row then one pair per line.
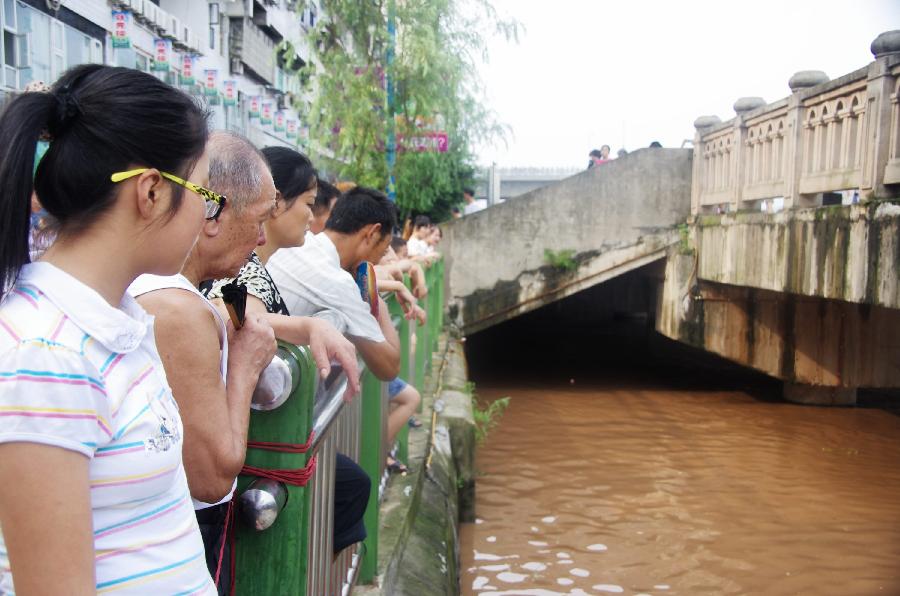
x,y
36,27
10,72
37,47
142,62
9,12
96,51
213,25
57,49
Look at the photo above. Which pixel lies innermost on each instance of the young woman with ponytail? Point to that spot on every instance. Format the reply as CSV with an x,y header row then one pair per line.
x,y
93,495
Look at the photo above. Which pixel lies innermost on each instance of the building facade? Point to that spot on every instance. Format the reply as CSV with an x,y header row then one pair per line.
x,y
241,57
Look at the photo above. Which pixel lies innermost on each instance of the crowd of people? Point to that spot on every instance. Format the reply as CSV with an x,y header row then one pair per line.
x,y
601,156
125,386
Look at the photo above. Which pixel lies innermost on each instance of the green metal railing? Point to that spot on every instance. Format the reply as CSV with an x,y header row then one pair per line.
x,y
293,556
275,561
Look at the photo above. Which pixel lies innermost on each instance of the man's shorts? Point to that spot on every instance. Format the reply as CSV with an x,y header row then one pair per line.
x,y
395,387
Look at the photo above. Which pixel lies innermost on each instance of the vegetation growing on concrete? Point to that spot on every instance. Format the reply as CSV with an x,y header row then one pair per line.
x,y
705,221
684,240
562,259
488,417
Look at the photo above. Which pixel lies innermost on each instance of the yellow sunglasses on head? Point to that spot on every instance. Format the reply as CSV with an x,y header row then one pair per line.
x,y
214,201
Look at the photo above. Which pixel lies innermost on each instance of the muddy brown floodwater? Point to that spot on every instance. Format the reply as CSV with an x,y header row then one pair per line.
x,y
632,487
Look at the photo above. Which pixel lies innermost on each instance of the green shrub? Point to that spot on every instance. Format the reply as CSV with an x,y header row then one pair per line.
x,y
563,259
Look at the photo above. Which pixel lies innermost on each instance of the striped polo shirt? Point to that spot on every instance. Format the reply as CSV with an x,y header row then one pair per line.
x,y
78,374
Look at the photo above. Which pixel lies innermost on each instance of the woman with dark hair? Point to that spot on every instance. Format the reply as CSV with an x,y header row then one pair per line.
x,y
93,494
296,184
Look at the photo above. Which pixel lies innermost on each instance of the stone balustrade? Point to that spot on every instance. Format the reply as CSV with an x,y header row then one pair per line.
x,y
827,136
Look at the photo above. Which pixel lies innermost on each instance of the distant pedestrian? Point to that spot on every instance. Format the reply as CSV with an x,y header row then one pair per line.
x,y
599,156
416,245
473,205
655,145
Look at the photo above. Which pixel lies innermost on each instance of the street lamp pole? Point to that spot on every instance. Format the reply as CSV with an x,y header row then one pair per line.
x,y
391,125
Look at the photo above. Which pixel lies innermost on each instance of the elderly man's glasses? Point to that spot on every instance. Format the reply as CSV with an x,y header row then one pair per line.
x,y
214,201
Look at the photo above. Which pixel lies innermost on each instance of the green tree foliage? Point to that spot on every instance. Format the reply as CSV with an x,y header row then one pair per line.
x,y
437,47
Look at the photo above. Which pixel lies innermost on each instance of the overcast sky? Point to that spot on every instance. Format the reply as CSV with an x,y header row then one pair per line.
x,y
627,72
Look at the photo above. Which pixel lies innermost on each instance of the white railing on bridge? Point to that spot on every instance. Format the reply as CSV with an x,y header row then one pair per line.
x,y
827,136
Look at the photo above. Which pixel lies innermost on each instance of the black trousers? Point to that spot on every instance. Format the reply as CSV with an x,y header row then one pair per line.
x,y
351,496
212,529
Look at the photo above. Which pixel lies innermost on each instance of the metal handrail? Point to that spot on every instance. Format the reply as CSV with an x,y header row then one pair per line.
x,y
328,407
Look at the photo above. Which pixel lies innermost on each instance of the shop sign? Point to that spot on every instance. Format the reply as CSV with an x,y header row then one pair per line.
x,y
162,54
121,35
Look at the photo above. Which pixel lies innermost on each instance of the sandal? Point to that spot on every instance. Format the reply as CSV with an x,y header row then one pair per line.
x,y
397,466
414,422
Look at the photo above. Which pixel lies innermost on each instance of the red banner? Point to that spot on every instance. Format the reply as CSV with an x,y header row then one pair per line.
x,y
435,142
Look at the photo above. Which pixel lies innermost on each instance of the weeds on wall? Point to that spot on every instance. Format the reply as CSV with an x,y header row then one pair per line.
x,y
684,240
488,417
562,259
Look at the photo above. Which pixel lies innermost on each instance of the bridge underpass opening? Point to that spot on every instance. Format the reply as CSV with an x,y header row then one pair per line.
x,y
664,469
606,331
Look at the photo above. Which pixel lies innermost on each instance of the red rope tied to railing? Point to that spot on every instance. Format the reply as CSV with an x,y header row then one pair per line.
x,y
282,447
297,477
229,517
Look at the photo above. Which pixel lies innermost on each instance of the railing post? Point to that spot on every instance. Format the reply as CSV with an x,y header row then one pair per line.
x,y
403,331
371,457
276,560
421,347
742,107
440,300
700,167
794,150
877,144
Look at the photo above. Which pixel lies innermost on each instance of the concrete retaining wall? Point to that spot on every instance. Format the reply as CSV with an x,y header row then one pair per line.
x,y
847,253
418,547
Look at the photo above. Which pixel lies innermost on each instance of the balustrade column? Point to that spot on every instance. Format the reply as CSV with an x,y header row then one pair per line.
x,y
700,168
876,146
793,152
739,170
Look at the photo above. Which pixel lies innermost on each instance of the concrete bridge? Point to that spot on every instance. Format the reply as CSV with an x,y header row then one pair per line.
x,y
773,242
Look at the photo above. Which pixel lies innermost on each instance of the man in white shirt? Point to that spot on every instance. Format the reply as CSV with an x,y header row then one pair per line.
x,y
317,278
473,205
417,246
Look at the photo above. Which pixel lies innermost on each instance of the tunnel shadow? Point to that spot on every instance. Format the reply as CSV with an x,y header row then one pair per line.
x,y
604,337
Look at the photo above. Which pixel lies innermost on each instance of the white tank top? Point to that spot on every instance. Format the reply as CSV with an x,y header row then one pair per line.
x,y
149,283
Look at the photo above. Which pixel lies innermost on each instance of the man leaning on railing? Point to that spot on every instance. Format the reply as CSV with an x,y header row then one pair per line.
x,y
316,279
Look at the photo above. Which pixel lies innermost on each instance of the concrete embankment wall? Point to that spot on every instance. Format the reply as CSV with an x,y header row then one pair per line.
x,y
613,218
418,547
849,253
810,296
